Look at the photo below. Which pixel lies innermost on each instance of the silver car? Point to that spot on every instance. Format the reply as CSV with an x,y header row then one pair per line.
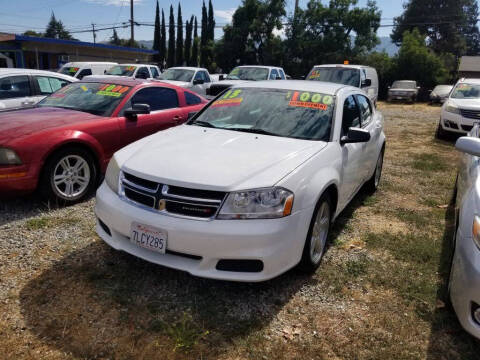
x,y
464,284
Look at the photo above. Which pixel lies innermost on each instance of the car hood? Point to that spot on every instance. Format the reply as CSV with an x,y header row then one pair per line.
x,y
15,124
473,104
183,84
400,89
216,159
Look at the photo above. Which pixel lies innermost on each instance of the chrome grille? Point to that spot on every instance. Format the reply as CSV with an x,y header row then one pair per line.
x,y
471,114
171,200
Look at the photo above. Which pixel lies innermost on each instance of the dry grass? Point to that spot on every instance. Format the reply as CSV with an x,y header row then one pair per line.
x,y
376,295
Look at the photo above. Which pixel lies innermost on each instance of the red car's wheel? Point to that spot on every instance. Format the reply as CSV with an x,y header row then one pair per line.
x,y
69,176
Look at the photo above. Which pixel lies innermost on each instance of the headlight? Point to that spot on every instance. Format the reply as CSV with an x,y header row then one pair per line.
x,y
9,157
268,203
113,174
476,230
452,109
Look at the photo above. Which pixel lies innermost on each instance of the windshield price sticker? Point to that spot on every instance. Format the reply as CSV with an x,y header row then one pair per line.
x,y
112,90
130,68
231,98
309,100
73,69
315,74
235,71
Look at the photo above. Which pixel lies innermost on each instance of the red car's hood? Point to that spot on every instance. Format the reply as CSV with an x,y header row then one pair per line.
x,y
15,124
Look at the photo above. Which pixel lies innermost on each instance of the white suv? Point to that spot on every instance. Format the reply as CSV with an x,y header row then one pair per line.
x,y
462,108
250,186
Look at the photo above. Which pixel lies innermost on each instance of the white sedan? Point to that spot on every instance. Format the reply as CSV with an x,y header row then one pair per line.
x,y
250,186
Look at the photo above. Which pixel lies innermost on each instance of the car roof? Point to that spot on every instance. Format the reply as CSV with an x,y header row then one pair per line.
x,y
128,81
136,65
73,63
301,85
187,68
469,80
412,81
260,66
6,71
344,66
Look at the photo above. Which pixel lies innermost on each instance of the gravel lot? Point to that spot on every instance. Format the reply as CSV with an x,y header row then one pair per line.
x,y
379,294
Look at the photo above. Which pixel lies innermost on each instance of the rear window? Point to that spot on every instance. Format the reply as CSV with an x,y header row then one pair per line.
x,y
192,99
69,70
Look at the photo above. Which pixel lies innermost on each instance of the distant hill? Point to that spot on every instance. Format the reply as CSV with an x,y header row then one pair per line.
x,y
387,45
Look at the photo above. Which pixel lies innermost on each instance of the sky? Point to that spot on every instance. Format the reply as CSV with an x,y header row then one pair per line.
x,y
20,15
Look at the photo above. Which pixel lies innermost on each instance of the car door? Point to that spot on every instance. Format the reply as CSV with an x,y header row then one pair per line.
x,y
15,92
154,72
200,88
373,125
352,154
46,85
164,113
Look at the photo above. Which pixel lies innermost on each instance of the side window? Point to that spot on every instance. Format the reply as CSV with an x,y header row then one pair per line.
x,y
192,99
198,76
273,74
154,72
158,98
365,108
282,74
143,73
351,115
206,77
83,73
14,87
47,85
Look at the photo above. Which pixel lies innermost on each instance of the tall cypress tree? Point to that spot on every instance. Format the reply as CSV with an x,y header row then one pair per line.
x,y
179,48
204,37
156,34
211,22
171,39
188,41
163,42
196,43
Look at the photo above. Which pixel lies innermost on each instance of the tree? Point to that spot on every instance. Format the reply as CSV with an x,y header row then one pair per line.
x,y
196,44
171,39
179,48
115,40
204,37
157,34
32,33
56,30
188,41
163,43
450,26
211,22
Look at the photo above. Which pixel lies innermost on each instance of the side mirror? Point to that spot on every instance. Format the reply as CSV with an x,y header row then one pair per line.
x,y
468,145
135,110
191,114
198,82
221,77
366,83
355,135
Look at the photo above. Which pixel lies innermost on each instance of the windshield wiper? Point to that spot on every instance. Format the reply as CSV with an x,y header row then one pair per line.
x,y
254,131
204,124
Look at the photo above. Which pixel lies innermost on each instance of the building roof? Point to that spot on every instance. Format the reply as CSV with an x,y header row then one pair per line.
x,y
470,63
16,37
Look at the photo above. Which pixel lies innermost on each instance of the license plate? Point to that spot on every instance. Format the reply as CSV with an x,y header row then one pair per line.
x,y
149,237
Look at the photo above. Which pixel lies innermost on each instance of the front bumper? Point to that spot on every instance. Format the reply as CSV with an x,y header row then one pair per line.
x,y
455,123
17,180
278,243
400,97
465,282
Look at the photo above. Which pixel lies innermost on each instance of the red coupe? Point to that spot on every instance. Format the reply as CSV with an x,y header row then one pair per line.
x,y
63,145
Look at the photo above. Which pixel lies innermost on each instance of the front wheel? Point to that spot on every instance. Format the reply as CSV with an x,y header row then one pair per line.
x,y
317,236
69,176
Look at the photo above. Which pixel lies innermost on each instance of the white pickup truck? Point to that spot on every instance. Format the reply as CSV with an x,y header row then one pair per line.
x,y
192,78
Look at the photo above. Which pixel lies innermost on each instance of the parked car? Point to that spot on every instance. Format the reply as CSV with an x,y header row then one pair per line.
x,y
241,74
464,282
63,145
262,173
136,71
362,77
80,69
404,90
21,88
440,93
462,108
193,78
217,77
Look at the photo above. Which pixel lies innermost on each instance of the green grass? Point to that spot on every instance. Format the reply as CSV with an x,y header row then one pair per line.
x,y
429,163
50,222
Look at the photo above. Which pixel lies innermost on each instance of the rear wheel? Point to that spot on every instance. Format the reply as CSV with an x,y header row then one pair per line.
x,y
317,236
373,183
69,176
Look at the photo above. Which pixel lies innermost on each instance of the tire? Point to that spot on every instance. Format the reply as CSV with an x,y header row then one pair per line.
x,y
440,133
317,236
372,184
68,176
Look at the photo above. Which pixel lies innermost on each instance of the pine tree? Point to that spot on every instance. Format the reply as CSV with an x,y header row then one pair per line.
x,y
188,41
163,43
204,37
56,30
179,48
211,22
171,39
196,43
115,40
156,34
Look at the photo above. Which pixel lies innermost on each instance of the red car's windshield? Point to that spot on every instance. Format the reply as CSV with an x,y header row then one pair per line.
x,y
95,98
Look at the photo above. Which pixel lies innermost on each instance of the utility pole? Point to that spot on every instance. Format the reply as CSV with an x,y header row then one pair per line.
x,y
94,34
132,36
296,7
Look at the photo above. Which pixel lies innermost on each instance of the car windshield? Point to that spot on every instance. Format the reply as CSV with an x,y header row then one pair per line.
x,y
338,75
94,98
403,85
466,91
121,70
178,75
285,113
248,73
69,70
